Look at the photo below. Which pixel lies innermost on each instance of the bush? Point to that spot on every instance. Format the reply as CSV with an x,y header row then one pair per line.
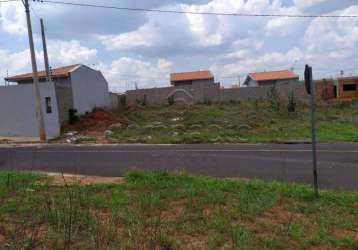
x,y
341,104
273,97
291,106
171,100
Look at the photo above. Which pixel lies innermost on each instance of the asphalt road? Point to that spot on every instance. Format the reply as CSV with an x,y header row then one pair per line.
x,y
337,163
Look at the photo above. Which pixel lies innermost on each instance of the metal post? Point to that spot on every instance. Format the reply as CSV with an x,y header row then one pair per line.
x,y
39,113
47,65
313,130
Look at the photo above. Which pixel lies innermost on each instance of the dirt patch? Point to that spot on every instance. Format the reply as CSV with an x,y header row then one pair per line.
x,y
59,180
94,124
279,214
95,121
194,241
342,233
175,210
2,240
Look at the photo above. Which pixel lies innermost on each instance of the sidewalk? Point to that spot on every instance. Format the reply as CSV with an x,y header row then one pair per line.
x,y
16,140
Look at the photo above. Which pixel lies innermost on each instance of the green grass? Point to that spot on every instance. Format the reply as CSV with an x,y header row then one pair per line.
x,y
159,210
236,123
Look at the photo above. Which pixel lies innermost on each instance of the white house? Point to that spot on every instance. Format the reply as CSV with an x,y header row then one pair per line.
x,y
270,78
72,87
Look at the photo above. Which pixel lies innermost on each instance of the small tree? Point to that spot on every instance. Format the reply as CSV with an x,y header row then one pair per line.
x,y
144,103
291,105
273,97
171,100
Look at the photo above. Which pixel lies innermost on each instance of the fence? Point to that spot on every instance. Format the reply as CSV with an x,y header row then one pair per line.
x,y
198,93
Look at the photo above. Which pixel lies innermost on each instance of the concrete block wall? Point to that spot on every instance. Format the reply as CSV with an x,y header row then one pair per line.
x,y
64,98
18,114
191,94
114,99
188,94
252,93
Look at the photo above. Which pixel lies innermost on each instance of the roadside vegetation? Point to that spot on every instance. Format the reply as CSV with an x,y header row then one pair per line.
x,y
256,121
172,211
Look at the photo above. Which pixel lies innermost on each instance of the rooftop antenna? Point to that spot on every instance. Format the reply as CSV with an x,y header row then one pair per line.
x,y
294,65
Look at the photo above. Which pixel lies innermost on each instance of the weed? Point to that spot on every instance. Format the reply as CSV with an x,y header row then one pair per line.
x,y
161,210
171,100
273,97
291,106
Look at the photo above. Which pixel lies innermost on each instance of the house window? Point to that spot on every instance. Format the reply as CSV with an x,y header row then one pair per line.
x,y
349,87
48,105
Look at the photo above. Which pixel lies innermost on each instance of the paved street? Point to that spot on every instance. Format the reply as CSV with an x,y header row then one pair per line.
x,y
338,163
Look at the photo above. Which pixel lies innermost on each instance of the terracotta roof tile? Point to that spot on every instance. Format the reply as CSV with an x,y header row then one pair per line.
x,y
57,72
273,75
194,75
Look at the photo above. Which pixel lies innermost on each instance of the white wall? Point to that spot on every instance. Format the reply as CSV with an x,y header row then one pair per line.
x,y
17,111
89,89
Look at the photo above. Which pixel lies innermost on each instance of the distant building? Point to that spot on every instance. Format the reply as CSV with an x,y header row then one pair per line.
x,y
347,87
72,87
270,78
191,78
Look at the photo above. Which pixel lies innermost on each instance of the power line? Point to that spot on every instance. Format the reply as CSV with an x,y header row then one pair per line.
x,y
33,11
193,12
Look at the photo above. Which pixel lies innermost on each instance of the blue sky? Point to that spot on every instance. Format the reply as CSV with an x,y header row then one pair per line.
x,y
139,48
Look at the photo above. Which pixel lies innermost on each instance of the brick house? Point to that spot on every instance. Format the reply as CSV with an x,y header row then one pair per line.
x,y
192,78
270,78
347,87
71,87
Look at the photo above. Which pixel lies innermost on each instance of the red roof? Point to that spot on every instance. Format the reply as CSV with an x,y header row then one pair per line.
x,y
194,75
273,75
58,72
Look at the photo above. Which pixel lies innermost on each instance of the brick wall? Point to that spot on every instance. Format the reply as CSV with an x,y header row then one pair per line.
x,y
191,94
347,94
325,89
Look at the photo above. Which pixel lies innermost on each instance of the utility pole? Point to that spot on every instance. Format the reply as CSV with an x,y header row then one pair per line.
x,y
47,65
39,114
311,90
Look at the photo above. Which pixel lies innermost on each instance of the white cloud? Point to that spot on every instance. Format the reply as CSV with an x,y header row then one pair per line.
x,y
335,35
13,19
302,4
201,31
13,63
126,73
60,53
70,52
228,45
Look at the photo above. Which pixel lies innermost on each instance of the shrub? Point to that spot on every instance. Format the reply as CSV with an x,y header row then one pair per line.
x,y
273,97
144,103
171,100
341,104
291,106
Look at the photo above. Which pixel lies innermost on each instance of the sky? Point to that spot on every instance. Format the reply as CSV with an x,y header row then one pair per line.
x,y
141,49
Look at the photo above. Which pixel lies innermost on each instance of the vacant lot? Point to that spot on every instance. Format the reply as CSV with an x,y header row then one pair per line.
x,y
256,121
163,211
